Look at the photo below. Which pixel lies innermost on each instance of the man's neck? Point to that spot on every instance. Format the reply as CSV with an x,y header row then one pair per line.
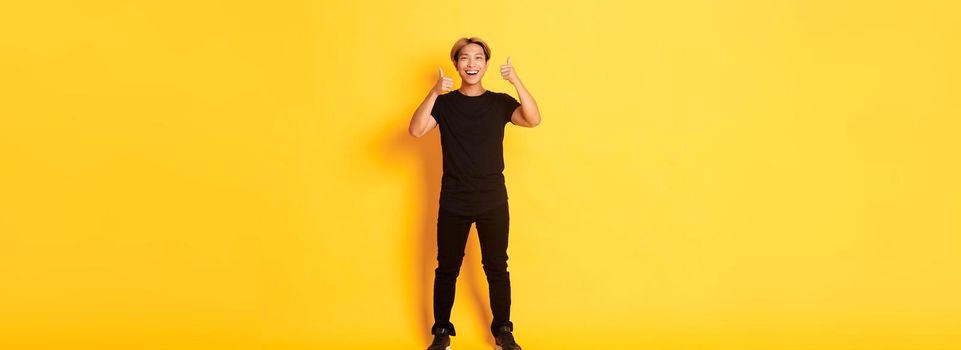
x,y
472,90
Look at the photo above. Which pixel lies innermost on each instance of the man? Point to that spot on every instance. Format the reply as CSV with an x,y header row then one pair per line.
x,y
472,121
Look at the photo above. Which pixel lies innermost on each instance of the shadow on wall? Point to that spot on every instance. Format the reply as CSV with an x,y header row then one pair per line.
x,y
426,151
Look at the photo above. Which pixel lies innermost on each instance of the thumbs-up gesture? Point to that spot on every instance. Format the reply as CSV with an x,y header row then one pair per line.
x,y
444,84
508,72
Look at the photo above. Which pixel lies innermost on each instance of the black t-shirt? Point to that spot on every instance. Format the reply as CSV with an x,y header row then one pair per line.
x,y
472,143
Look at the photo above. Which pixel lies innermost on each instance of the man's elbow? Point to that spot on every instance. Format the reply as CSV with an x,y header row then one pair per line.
x,y
535,122
415,133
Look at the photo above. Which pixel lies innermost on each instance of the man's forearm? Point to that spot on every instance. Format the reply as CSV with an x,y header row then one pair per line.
x,y
418,122
528,106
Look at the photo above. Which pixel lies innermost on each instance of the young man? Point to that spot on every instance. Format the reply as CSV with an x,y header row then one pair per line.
x,y
472,121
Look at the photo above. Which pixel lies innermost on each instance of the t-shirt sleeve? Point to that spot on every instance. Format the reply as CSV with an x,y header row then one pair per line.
x,y
436,111
511,104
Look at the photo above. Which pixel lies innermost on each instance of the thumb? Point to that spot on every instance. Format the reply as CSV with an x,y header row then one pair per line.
x,y
441,70
508,59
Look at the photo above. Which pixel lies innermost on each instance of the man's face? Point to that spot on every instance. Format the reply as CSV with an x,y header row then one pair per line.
x,y
471,64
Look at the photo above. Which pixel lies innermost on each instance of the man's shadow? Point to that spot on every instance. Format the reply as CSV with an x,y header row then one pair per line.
x,y
426,152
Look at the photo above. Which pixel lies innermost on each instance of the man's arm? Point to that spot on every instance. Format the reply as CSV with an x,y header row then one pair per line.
x,y
422,121
527,113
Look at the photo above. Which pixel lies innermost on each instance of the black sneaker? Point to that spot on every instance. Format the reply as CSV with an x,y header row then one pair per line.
x,y
505,341
441,340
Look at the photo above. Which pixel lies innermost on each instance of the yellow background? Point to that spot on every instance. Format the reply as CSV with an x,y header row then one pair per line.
x,y
708,174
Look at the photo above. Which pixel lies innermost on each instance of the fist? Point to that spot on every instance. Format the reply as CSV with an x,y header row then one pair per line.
x,y
507,71
444,84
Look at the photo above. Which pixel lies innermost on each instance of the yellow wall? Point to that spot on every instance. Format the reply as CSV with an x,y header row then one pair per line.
x,y
708,174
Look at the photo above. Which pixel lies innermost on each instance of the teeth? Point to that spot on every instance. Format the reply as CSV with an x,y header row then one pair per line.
x,y
472,72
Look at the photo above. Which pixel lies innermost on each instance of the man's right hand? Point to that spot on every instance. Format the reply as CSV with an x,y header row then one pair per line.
x,y
444,84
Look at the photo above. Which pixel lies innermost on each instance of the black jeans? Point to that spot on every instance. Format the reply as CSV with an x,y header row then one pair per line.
x,y
452,232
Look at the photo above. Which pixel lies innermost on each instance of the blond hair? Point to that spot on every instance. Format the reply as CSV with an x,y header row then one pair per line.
x,y
460,43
